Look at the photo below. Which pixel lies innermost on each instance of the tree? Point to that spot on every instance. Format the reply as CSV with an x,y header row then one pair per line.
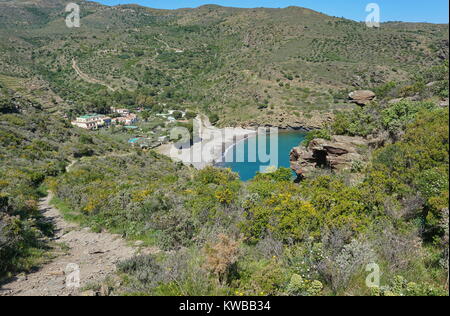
x,y
177,115
145,115
190,115
214,118
144,101
6,106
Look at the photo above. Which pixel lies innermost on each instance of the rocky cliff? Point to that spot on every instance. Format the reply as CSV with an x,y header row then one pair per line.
x,y
288,120
338,153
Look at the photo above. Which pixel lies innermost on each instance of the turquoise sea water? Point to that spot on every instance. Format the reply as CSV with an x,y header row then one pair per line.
x,y
257,153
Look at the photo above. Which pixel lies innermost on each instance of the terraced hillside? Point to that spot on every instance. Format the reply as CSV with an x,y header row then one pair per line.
x,y
249,66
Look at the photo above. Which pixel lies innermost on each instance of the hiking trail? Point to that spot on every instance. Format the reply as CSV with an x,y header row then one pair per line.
x,y
96,255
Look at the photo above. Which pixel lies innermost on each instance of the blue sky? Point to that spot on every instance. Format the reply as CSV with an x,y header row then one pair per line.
x,y
434,11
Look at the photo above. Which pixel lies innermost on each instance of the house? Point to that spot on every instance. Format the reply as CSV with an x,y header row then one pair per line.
x,y
129,119
120,111
92,121
107,121
169,116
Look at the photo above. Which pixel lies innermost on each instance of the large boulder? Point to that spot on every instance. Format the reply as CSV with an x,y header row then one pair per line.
x,y
444,103
339,153
361,97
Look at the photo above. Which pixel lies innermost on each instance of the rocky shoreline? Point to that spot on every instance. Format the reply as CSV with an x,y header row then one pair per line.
x,y
338,153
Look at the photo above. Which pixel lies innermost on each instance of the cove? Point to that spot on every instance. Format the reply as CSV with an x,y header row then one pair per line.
x,y
248,150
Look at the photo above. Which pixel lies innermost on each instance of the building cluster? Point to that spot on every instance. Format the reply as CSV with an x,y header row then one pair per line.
x,y
92,121
96,121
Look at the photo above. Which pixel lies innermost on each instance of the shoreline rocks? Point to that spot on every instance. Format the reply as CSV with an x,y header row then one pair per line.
x,y
339,153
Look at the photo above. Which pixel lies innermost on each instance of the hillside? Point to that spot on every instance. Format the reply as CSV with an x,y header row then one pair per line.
x,y
372,187
249,66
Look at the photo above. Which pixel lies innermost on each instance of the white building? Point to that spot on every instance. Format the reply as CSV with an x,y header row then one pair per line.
x,y
120,111
92,121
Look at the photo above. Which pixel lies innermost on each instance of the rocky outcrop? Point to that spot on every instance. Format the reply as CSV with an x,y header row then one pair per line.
x,y
361,97
339,153
444,103
287,120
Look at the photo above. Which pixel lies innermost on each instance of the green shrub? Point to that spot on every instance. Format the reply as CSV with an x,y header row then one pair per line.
x,y
384,90
279,174
214,118
396,117
359,122
190,115
260,278
401,287
299,287
177,115
321,133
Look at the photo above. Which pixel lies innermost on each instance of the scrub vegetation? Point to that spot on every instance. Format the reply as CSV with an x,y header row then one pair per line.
x,y
218,235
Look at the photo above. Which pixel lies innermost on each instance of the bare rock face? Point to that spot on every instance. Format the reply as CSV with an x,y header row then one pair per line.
x,y
339,153
361,97
287,120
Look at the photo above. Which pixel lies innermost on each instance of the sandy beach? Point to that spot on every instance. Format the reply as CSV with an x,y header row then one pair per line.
x,y
210,143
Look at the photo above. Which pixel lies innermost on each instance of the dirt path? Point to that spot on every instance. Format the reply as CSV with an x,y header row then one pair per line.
x,y
95,254
177,50
87,78
70,166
